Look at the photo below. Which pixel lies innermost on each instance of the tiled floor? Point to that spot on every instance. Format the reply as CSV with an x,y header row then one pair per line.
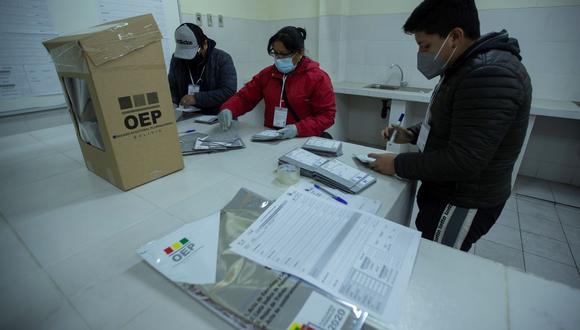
x,y
538,231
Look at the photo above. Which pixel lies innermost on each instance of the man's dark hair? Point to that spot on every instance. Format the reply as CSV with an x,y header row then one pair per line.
x,y
291,37
442,16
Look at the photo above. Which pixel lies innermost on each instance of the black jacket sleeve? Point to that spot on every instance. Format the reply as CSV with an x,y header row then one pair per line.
x,y
173,82
484,106
227,84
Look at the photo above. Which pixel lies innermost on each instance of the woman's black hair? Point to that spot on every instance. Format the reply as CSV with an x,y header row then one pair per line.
x,y
291,36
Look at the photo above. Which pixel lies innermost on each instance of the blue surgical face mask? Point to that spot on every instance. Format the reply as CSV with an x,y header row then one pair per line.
x,y
284,65
432,65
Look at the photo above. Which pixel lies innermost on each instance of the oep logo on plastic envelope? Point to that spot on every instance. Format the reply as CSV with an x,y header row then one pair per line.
x,y
179,250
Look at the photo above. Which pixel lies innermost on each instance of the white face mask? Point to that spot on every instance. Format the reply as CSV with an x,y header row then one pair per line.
x,y
431,65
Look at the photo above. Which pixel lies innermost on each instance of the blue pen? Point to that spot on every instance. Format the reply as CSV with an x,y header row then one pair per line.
x,y
399,122
338,199
188,131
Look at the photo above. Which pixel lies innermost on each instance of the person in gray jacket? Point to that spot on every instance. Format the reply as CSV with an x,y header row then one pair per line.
x,y
200,75
474,127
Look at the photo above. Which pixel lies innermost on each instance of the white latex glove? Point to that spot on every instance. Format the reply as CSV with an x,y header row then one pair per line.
x,y
288,132
225,118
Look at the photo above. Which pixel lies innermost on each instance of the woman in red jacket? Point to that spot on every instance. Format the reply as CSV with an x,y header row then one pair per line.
x,y
298,95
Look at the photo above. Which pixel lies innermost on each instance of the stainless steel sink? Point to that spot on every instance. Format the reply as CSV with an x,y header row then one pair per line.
x,y
399,88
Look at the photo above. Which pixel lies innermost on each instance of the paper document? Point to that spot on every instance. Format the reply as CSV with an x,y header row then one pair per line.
x,y
189,254
354,255
187,109
355,202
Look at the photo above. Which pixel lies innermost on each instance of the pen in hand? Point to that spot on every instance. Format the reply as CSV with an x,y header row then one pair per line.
x,y
399,122
338,199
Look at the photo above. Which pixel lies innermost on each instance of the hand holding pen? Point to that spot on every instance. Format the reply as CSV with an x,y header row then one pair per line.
x,y
395,133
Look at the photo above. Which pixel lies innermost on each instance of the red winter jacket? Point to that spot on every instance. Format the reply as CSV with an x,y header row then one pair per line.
x,y
308,89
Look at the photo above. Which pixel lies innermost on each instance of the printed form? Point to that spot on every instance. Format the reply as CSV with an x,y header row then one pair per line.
x,y
354,255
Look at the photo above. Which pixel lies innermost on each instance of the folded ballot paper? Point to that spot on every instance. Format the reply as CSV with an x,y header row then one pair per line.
x,y
323,147
332,173
363,159
198,259
199,143
267,135
187,109
207,119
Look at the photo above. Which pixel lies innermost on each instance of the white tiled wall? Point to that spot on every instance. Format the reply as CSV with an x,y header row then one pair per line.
x,y
548,39
361,48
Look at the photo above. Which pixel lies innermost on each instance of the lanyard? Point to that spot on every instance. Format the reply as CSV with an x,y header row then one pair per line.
x,y
282,90
201,75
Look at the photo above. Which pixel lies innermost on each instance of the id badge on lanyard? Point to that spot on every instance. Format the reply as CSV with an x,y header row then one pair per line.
x,y
280,112
193,88
425,126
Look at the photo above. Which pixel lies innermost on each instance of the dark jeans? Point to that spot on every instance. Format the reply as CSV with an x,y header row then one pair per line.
x,y
431,209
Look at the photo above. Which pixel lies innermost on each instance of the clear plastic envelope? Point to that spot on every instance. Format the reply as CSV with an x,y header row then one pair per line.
x,y
251,296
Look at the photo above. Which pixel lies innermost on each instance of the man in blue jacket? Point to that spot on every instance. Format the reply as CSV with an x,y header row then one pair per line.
x,y
200,75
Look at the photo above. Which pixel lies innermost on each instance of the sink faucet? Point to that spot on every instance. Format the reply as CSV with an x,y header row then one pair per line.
x,y
402,83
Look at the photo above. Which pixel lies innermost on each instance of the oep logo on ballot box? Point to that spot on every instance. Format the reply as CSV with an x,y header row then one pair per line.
x,y
140,110
180,250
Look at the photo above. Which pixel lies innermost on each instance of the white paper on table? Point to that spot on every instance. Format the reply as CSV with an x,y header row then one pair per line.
x,y
353,255
187,255
354,201
364,158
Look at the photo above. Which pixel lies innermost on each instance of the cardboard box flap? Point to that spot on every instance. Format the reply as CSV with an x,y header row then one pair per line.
x,y
112,40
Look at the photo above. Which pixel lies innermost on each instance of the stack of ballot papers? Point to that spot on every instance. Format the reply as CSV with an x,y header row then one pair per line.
x,y
198,143
356,256
207,119
267,135
332,173
187,109
323,147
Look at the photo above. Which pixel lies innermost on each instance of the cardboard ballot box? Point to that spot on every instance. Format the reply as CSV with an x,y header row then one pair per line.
x,y
114,79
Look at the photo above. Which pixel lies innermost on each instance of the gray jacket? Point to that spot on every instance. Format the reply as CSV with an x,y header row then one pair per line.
x,y
479,118
218,81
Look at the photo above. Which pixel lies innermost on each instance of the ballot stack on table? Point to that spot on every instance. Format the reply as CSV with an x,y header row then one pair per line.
x,y
332,173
